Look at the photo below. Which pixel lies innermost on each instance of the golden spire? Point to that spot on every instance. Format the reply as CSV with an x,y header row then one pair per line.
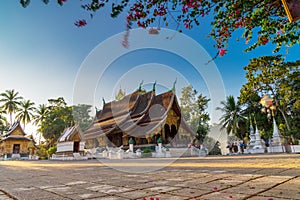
x,y
120,94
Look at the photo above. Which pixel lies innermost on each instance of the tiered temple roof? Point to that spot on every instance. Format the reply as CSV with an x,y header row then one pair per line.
x,y
15,133
137,115
71,133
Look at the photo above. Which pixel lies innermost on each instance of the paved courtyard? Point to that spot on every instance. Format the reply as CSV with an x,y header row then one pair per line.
x,y
261,177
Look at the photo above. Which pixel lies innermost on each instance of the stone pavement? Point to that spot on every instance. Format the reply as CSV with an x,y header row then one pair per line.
x,y
261,177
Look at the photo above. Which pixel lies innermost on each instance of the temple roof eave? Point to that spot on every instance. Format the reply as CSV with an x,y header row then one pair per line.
x,y
15,138
146,129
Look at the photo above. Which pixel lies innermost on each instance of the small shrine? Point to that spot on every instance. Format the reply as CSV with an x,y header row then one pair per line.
x,y
15,144
275,143
71,141
256,144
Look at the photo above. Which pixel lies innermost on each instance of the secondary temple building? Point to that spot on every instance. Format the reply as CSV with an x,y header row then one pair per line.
x,y
71,141
15,144
143,116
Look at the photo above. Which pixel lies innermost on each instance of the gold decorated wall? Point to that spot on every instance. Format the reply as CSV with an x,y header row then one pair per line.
x,y
172,118
6,147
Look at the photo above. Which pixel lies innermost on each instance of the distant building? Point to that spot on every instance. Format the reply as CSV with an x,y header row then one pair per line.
x,y
15,144
71,141
143,116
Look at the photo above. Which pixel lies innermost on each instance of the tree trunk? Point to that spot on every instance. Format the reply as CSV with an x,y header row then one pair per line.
x,y
285,119
10,115
287,123
40,139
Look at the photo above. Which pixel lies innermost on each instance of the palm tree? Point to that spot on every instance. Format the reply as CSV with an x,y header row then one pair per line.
x,y
2,117
25,113
11,101
3,122
41,112
232,115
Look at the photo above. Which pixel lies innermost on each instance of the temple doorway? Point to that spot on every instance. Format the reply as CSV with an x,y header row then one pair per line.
x,y
173,131
168,133
16,149
76,147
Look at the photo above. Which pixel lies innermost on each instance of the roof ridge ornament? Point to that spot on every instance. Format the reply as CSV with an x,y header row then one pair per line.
x,y
103,101
121,94
140,86
154,85
174,84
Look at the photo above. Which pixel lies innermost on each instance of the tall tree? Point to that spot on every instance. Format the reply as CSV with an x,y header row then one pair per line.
x,y
252,109
81,115
41,114
274,76
232,115
2,116
59,117
188,103
203,118
194,108
26,112
11,100
3,122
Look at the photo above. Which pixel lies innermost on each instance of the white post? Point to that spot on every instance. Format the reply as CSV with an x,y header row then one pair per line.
x,y
131,142
131,147
120,154
138,153
159,147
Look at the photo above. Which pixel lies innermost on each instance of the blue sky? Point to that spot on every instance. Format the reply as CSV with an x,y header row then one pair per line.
x,y
42,53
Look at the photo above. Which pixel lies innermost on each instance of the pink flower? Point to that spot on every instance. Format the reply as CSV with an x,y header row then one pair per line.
x,y
215,188
264,40
270,198
125,44
140,24
80,23
187,25
278,33
222,52
184,9
247,41
230,196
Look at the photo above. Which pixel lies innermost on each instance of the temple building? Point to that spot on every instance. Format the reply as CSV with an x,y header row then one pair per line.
x,y
15,144
143,116
71,141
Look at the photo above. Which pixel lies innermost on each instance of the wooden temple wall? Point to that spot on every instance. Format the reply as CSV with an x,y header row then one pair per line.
x,y
8,145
